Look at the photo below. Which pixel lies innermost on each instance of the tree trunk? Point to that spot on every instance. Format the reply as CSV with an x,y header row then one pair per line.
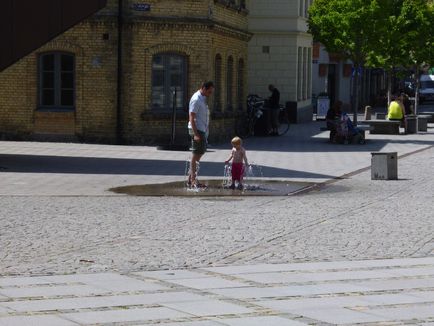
x,y
416,93
389,88
356,93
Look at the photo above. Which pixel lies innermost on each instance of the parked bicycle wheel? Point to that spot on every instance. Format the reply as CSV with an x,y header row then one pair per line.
x,y
283,121
244,127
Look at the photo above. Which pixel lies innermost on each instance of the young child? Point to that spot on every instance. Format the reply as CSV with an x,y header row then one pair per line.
x,y
238,155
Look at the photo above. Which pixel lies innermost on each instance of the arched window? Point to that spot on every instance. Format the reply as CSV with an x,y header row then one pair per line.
x,y
218,82
229,83
169,72
240,88
56,72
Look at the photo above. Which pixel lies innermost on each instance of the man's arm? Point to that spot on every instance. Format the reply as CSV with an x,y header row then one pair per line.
x,y
192,117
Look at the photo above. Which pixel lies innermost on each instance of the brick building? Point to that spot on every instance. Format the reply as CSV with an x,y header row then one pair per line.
x,y
69,88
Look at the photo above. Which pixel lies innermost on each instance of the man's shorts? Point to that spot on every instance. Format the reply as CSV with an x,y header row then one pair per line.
x,y
198,147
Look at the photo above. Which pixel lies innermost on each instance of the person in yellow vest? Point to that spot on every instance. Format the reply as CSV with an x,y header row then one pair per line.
x,y
396,111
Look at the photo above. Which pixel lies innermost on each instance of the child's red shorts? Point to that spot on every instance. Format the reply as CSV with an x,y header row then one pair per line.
x,y
237,171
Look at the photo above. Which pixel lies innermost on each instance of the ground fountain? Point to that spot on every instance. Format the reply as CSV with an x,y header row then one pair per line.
x,y
254,184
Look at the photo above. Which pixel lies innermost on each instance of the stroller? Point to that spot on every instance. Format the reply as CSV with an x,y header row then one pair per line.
x,y
344,132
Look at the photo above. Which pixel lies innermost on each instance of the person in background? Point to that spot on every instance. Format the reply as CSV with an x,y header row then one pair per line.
x,y
274,102
396,110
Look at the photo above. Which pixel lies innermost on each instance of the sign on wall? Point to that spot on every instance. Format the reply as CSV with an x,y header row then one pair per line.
x,y
323,105
142,7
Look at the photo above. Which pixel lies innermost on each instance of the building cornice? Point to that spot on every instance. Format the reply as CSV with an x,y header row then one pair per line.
x,y
190,23
170,22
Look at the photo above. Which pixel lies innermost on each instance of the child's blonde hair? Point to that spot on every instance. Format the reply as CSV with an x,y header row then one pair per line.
x,y
236,141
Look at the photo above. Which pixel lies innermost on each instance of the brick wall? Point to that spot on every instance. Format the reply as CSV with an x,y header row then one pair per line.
x,y
196,29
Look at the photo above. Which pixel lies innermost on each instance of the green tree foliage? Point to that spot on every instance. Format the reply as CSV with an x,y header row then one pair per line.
x,y
377,33
344,26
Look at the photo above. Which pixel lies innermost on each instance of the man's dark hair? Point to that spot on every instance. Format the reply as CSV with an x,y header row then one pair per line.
x,y
207,85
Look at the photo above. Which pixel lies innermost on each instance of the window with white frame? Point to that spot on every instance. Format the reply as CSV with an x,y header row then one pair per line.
x,y
169,73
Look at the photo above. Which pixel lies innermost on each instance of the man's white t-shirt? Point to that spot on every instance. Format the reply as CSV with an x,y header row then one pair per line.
x,y
198,105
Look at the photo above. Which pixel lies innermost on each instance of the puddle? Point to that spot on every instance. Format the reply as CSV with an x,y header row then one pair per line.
x,y
216,188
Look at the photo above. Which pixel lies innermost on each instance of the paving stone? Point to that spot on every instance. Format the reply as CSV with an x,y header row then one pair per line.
x,y
35,321
172,274
208,283
295,305
99,302
382,285
127,315
129,285
49,291
338,316
3,309
193,323
261,321
208,308
250,292
317,266
405,313
275,278
23,281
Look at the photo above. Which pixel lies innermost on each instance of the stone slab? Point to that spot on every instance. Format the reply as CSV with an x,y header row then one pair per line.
x,y
127,315
261,321
35,321
172,274
208,283
50,291
318,266
99,302
208,308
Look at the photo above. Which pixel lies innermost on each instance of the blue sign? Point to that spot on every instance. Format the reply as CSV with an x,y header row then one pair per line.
x,y
142,7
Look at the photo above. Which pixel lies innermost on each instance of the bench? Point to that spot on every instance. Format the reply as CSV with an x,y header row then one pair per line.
x,y
360,138
431,114
422,122
380,116
389,127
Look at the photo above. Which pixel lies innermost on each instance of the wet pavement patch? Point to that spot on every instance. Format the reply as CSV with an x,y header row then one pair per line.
x,y
215,188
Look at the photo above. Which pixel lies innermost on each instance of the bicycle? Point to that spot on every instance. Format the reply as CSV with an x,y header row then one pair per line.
x,y
245,126
283,121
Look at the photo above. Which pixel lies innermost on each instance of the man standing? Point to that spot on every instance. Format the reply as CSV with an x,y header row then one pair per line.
x,y
274,102
198,124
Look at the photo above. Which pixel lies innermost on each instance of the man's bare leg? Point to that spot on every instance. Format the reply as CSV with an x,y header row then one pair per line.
x,y
193,167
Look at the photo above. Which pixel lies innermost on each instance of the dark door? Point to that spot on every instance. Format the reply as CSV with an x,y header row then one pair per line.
x,y
331,83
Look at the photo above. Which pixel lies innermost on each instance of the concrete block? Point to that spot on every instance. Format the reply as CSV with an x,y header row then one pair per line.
x,y
384,166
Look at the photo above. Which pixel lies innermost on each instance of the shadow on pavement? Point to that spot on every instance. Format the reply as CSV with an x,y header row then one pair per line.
x,y
91,165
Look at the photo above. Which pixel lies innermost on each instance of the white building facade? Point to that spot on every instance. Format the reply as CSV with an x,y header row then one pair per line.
x,y
280,53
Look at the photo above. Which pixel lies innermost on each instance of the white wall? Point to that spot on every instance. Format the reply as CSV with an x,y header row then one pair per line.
x,y
277,26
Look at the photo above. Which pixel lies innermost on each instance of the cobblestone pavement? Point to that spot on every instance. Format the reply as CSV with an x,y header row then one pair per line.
x,y
56,217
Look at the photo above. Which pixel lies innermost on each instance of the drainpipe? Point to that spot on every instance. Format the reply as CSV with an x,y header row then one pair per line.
x,y
119,117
